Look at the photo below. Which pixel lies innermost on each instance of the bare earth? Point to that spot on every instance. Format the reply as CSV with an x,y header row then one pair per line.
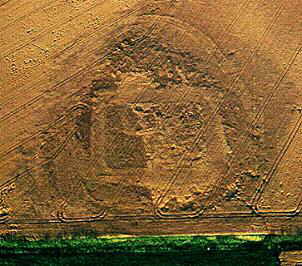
x,y
150,117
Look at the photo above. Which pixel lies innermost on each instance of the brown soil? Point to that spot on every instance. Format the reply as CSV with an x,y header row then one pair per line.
x,y
150,117
290,258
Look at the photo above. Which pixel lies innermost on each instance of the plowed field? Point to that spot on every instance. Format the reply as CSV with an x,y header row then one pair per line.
x,y
150,117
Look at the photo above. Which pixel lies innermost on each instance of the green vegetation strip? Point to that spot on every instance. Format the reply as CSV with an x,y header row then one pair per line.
x,y
150,244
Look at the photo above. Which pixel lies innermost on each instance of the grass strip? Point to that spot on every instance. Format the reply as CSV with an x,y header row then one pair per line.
x,y
10,245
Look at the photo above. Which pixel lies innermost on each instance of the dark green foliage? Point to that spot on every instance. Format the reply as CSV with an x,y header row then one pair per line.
x,y
78,244
147,250
225,258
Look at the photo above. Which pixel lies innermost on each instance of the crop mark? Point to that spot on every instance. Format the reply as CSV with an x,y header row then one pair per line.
x,y
62,82
72,43
258,116
11,149
117,216
103,213
200,134
53,156
184,26
120,189
152,28
269,97
161,18
140,40
58,150
172,24
135,101
216,46
60,215
277,162
91,218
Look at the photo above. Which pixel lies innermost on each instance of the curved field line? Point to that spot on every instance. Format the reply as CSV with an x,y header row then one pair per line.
x,y
279,157
118,193
59,149
90,218
62,82
269,97
183,27
81,71
258,116
12,148
130,217
216,48
235,80
23,142
136,101
56,153
36,99
78,40
277,162
104,211
273,91
247,203
60,214
172,23
102,214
